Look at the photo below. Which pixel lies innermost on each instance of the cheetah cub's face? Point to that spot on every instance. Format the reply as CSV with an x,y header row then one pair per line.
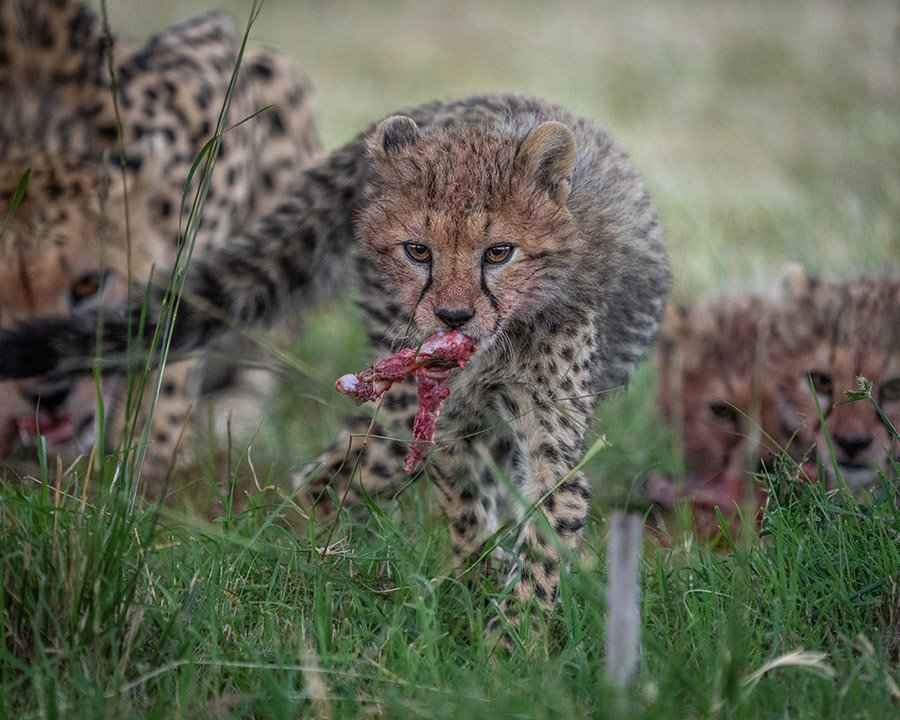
x,y
63,250
466,228
716,364
854,333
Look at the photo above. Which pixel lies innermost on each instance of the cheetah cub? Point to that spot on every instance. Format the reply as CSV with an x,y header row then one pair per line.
x,y
77,238
848,329
508,219
536,239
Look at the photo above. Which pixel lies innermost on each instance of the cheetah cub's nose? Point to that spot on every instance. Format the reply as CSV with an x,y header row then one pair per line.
x,y
852,445
454,319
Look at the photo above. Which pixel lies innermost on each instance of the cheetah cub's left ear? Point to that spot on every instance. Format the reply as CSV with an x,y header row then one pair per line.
x,y
390,135
547,154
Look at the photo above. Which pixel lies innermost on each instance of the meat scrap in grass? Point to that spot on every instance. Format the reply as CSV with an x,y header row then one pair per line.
x,y
431,363
724,491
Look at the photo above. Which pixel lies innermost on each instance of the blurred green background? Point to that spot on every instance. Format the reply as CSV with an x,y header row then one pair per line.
x,y
768,132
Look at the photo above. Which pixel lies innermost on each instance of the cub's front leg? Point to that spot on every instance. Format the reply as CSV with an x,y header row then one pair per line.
x,y
536,448
550,444
549,411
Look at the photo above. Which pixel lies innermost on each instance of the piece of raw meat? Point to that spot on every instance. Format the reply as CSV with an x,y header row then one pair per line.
x,y
431,364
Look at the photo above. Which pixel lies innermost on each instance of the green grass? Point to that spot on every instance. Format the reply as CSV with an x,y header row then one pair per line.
x,y
767,133
113,613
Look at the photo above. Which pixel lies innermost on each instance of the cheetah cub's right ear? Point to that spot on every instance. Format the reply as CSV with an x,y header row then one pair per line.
x,y
547,154
390,135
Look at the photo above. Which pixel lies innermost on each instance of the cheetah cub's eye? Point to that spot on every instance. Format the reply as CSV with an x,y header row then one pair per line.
x,y
86,287
890,391
498,254
821,382
417,252
724,411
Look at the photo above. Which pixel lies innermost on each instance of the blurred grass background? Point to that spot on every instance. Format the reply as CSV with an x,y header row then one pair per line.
x,y
768,132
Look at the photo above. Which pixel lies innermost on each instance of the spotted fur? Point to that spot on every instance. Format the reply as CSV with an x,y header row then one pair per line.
x,y
718,365
846,330
543,247
745,378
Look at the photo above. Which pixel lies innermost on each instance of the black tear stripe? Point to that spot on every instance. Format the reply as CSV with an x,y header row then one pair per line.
x,y
424,289
487,292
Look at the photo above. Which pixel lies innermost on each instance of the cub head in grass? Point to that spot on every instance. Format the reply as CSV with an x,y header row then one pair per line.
x,y
65,247
848,330
718,363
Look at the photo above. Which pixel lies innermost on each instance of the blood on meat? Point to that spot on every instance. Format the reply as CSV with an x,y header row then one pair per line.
x,y
431,364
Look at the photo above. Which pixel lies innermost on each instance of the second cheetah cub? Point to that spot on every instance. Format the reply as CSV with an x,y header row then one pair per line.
x,y
525,228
